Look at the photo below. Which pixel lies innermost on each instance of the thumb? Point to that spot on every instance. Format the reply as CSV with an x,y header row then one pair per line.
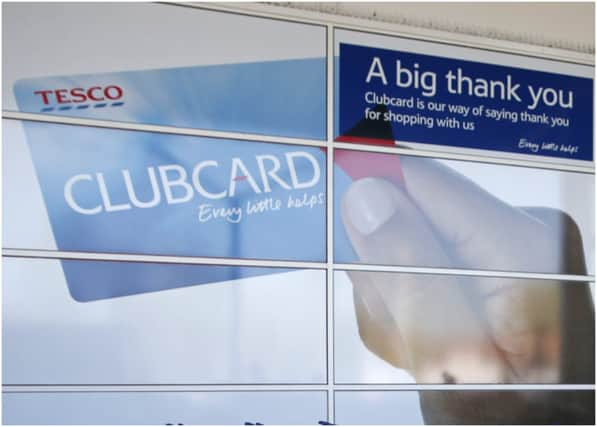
x,y
386,227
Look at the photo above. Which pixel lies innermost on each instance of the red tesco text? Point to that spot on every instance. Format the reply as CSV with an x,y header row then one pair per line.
x,y
79,94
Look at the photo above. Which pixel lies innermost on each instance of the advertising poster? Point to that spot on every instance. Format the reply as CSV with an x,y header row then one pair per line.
x,y
168,226
408,93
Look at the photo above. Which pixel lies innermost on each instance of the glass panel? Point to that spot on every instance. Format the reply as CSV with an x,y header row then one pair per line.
x,y
188,408
415,211
554,407
203,69
110,190
439,329
172,324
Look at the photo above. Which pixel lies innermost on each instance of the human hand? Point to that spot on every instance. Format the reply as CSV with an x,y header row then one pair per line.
x,y
467,329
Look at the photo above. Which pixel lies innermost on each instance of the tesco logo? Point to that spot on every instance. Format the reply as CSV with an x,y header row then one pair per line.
x,y
100,96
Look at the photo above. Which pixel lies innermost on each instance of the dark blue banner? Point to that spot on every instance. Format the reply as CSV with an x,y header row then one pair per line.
x,y
388,96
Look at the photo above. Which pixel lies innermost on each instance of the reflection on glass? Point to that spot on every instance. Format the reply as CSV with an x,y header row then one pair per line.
x,y
466,407
403,210
98,322
464,329
163,408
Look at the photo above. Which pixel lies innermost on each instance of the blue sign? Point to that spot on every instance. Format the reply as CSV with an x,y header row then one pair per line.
x,y
456,103
145,193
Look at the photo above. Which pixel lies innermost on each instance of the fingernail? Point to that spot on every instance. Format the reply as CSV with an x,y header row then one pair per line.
x,y
369,204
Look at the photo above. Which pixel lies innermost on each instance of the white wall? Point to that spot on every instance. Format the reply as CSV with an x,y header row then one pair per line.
x,y
565,25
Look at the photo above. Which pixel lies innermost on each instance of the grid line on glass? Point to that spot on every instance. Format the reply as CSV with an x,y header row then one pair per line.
x,y
329,265
167,259
502,159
